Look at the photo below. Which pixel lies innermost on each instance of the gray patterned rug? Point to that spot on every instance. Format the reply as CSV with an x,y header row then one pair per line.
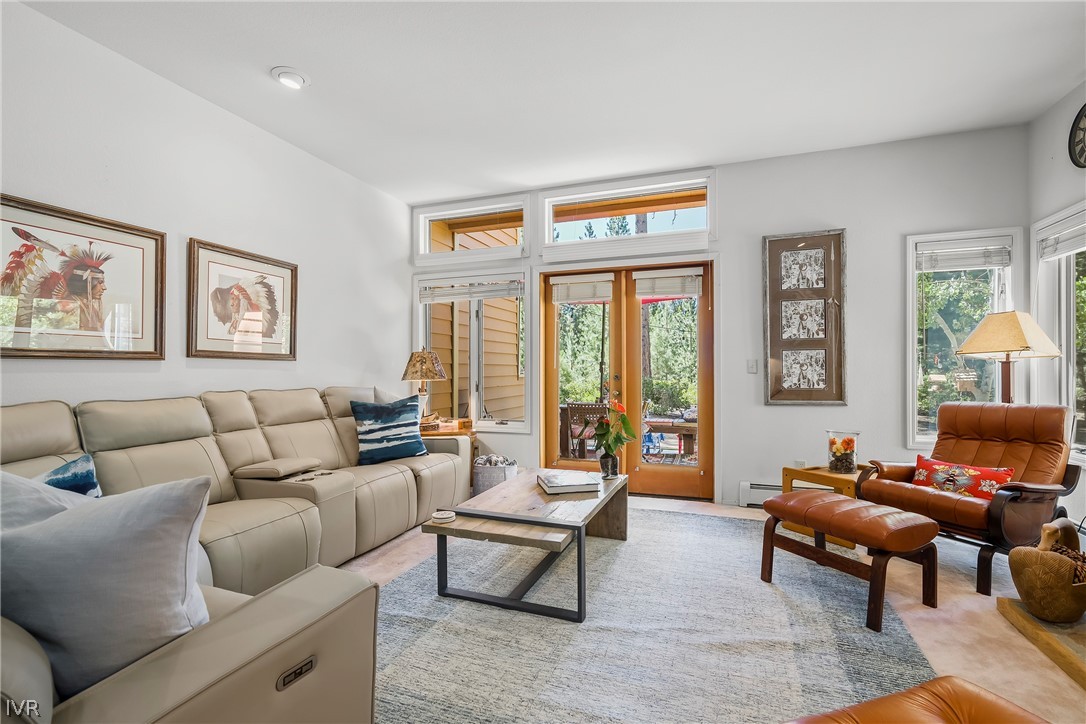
x,y
679,629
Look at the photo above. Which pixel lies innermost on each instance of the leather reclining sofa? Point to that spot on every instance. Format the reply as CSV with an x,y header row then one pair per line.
x,y
286,494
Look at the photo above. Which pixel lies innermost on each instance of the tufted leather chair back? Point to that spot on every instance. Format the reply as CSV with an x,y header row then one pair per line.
x,y
1032,439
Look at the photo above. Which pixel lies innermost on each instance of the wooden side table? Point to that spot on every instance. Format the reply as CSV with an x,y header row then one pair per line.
x,y
843,483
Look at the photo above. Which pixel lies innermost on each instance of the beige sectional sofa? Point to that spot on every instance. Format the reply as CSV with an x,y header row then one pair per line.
x,y
287,493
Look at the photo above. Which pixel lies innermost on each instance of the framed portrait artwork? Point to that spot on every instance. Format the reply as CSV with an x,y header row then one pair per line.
x,y
804,281
75,285
241,305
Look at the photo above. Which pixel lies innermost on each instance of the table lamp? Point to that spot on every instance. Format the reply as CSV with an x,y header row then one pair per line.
x,y
1008,336
422,367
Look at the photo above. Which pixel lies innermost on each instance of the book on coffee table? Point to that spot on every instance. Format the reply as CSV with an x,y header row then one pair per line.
x,y
556,482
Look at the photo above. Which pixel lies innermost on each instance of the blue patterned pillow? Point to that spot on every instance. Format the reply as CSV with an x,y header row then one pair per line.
x,y
76,477
388,432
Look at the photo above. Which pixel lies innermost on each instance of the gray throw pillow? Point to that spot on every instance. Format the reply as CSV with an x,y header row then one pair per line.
x,y
26,501
104,582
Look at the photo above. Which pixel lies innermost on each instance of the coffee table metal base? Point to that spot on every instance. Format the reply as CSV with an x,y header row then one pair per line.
x,y
515,598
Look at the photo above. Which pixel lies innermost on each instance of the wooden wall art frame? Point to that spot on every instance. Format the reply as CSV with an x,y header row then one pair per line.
x,y
79,286
803,277
241,305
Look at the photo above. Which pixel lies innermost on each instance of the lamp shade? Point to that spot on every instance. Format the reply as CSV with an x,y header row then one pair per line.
x,y
1015,334
424,365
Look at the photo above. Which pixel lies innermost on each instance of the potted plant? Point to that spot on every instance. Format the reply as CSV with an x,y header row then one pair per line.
x,y
613,430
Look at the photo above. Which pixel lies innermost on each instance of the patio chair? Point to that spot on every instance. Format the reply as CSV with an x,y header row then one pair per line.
x,y
582,425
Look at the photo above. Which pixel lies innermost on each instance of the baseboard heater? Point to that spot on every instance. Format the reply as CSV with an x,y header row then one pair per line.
x,y
752,495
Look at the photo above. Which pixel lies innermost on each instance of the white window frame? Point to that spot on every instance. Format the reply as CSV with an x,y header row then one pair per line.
x,y
475,337
635,244
1053,308
421,217
959,239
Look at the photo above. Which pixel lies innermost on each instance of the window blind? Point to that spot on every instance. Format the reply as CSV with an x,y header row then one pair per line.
x,y
684,282
432,294
970,254
582,288
1069,241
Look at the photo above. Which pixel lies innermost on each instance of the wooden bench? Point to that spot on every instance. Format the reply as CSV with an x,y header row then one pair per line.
x,y
887,532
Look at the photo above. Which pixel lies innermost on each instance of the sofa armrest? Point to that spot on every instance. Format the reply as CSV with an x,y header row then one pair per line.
x,y
455,444
314,488
232,669
901,472
25,676
1021,485
278,468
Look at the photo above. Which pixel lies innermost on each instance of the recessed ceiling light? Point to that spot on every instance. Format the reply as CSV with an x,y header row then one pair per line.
x,y
290,77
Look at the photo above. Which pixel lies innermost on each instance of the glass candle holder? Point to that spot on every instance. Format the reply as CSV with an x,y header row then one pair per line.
x,y
842,451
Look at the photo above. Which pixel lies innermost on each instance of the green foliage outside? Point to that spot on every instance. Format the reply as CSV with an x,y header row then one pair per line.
x,y
949,306
672,385
670,374
581,332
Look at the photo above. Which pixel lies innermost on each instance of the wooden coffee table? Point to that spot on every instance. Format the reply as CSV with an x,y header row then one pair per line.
x,y
519,512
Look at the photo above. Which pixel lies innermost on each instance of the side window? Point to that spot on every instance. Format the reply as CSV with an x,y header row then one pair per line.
x,y
956,280
477,329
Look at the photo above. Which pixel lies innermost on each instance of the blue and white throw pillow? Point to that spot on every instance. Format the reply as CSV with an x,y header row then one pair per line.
x,y
388,431
76,477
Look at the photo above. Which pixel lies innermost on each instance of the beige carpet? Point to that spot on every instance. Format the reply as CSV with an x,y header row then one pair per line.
x,y
965,636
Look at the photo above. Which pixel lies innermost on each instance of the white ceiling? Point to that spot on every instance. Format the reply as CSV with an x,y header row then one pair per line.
x,y
432,101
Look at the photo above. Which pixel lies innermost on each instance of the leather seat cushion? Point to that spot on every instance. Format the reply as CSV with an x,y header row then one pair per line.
x,y
945,699
865,523
386,503
959,510
254,544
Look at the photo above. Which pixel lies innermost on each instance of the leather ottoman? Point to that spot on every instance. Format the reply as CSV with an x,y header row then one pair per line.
x,y
887,532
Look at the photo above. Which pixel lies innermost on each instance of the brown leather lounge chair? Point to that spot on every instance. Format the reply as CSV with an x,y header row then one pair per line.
x,y
1032,439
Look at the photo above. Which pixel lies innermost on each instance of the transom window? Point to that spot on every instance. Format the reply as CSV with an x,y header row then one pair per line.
x,y
470,232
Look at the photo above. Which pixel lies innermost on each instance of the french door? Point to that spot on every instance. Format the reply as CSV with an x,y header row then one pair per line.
x,y
644,337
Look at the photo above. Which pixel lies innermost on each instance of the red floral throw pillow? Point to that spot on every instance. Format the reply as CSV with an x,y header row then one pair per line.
x,y
961,479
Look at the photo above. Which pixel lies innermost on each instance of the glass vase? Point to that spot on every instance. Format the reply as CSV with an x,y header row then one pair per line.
x,y
609,465
842,450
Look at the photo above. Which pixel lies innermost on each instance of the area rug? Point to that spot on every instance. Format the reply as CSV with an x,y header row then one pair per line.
x,y
680,629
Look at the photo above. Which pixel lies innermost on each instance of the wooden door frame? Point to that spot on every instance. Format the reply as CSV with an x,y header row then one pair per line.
x,y
625,352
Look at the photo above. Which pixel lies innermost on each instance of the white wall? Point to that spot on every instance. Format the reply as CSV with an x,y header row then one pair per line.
x,y
86,129
879,194
1054,182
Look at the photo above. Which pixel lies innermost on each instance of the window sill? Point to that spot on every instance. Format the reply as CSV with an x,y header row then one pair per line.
x,y
489,426
468,256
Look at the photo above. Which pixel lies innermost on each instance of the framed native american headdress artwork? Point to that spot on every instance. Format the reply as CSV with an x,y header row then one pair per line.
x,y
804,281
241,305
75,285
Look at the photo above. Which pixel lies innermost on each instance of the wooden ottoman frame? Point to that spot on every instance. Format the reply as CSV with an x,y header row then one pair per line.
x,y
926,555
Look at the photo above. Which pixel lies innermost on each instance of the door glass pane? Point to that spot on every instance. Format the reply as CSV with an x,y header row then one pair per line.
x,y
669,380
583,375
949,305
502,381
